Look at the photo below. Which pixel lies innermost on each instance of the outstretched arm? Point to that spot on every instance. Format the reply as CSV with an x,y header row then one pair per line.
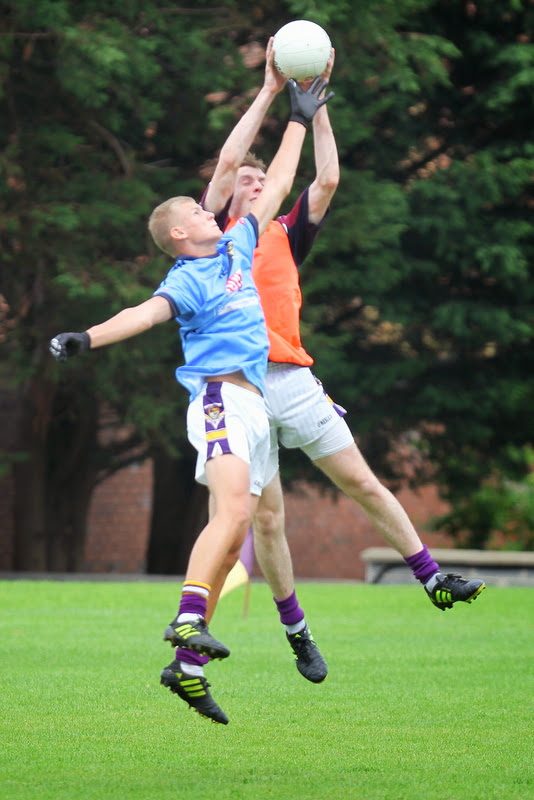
x,y
281,173
128,322
242,136
326,160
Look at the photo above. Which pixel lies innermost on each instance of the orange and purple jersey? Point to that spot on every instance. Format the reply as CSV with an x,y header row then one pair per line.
x,y
280,251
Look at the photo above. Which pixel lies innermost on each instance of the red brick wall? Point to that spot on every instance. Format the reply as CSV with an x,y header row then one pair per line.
x,y
119,521
325,534
118,524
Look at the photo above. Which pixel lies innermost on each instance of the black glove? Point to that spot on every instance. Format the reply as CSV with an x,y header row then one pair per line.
x,y
305,102
65,345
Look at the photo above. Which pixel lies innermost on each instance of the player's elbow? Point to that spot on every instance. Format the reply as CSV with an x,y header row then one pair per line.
x,y
329,182
153,311
285,184
146,323
229,161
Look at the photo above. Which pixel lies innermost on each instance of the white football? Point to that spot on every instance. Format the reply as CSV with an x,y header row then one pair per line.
x,y
301,50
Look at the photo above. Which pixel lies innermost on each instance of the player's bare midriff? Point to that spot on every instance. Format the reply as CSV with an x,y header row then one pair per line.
x,y
235,377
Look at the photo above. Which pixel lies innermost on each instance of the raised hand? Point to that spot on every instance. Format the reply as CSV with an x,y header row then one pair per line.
x,y
274,79
306,102
329,66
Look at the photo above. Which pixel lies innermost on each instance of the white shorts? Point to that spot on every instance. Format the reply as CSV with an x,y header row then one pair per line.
x,y
302,415
225,418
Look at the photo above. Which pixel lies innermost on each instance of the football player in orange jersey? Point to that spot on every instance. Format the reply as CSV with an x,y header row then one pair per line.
x,y
301,413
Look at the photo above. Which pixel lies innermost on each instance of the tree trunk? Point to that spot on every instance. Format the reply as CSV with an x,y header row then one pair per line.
x,y
57,432
71,475
179,512
29,475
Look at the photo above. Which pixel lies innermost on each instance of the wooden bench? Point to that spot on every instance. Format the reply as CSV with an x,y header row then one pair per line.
x,y
496,567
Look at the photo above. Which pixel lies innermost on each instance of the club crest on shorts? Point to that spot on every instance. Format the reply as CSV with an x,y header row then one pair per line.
x,y
213,411
216,433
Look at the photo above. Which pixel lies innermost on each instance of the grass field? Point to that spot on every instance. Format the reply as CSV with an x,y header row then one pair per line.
x,y
419,704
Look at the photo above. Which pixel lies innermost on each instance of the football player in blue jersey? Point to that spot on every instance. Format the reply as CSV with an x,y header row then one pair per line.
x,y
210,293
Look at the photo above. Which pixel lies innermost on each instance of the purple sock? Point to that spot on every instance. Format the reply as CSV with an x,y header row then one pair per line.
x,y
190,657
289,610
422,565
191,603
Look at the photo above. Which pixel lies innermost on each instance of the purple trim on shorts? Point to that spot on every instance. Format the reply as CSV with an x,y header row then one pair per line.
x,y
339,409
215,419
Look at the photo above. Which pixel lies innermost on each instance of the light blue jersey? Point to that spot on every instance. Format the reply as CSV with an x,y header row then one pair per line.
x,y
216,304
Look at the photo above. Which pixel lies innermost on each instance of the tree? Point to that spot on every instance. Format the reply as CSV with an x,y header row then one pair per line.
x,y
439,320
418,292
92,95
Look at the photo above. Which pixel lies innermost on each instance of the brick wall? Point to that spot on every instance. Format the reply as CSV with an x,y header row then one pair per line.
x,y
119,521
326,534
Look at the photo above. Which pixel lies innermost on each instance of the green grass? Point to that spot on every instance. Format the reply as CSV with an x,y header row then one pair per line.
x,y
419,704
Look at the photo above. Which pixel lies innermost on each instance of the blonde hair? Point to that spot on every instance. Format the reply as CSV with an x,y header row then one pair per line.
x,y
159,223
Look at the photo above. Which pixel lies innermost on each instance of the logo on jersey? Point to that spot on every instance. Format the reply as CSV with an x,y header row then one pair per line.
x,y
234,282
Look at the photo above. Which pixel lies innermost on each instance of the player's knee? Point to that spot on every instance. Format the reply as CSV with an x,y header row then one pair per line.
x,y
242,517
234,515
268,523
365,486
231,557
